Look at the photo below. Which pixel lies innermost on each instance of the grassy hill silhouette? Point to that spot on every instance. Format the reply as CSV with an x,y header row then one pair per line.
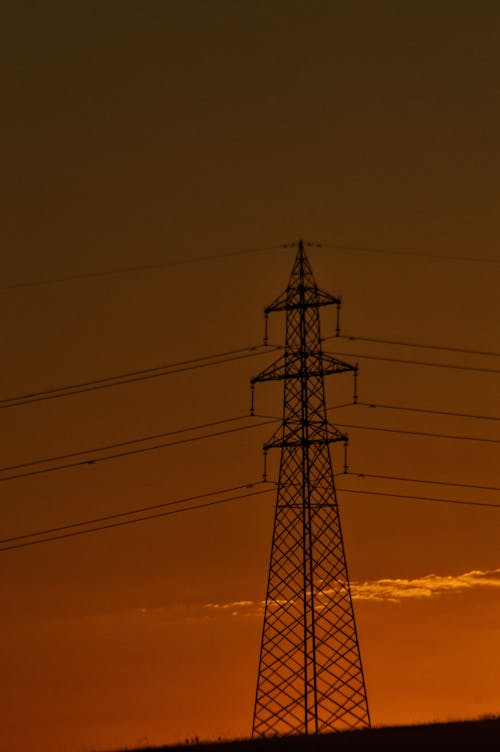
x,y
456,736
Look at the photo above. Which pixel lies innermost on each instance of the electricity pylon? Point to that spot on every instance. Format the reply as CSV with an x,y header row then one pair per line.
x,y
310,678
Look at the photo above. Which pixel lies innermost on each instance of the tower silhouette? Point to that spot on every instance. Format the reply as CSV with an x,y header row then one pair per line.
x,y
310,677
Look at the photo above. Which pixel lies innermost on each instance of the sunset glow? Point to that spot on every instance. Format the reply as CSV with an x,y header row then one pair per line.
x,y
161,161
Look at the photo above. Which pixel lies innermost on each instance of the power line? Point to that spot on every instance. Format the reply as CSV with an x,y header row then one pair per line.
x,y
126,374
139,268
214,434
139,510
137,376
428,411
419,498
118,444
399,343
422,481
370,492
409,254
122,523
221,358
397,430
429,363
427,434
130,452
129,442
195,364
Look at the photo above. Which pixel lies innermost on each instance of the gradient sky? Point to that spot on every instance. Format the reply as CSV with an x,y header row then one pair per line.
x,y
140,132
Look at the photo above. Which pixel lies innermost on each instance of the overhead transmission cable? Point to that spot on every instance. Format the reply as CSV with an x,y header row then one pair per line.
x,y
129,442
119,444
132,451
68,531
426,434
419,345
121,523
130,377
140,268
23,467
422,481
460,502
427,411
432,364
128,513
408,254
120,270
204,361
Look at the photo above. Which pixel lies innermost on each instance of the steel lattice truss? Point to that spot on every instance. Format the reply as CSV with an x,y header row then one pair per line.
x,y
310,674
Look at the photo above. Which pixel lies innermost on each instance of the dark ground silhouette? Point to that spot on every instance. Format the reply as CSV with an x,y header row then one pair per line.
x,y
456,736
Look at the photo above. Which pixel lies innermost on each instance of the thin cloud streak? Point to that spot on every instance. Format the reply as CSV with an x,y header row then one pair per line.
x,y
428,586
386,590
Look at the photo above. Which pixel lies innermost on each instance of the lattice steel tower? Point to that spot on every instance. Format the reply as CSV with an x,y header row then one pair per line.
x,y
310,674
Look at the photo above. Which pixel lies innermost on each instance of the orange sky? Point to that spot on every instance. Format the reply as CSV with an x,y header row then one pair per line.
x,y
142,132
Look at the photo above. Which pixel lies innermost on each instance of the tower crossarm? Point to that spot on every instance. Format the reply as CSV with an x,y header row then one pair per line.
x,y
291,366
302,296
291,434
